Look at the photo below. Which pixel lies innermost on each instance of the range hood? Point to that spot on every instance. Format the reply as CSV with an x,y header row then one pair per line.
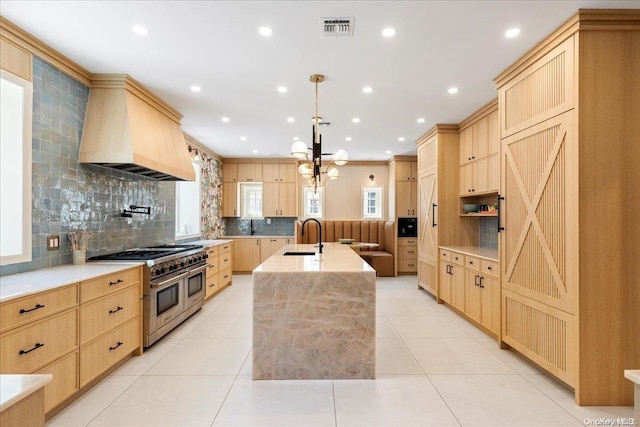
x,y
130,129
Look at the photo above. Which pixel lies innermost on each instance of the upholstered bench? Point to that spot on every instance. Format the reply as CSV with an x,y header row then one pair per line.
x,y
382,259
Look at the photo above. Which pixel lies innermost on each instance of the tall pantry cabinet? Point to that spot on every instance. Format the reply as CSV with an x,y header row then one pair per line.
x,y
438,219
570,129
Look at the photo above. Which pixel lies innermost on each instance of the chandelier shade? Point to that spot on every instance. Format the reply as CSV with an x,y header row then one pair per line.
x,y
311,167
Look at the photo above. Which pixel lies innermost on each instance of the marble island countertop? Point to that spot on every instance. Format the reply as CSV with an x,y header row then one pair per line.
x,y
336,257
23,284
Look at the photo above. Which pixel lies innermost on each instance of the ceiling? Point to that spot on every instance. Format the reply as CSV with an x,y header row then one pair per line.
x,y
216,45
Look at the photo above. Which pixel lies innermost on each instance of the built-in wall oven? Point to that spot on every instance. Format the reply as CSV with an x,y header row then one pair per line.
x,y
173,286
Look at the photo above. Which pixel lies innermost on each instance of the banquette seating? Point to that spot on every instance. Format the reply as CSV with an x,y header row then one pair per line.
x,y
381,259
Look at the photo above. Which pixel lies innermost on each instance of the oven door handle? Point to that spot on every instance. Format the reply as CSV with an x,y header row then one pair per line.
x,y
198,270
173,279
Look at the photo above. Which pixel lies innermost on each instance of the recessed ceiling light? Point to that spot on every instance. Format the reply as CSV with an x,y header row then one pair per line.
x,y
140,30
291,119
452,90
348,138
388,151
401,139
295,138
420,120
512,32
195,88
254,151
265,31
389,32
367,89
243,138
355,120
225,119
282,89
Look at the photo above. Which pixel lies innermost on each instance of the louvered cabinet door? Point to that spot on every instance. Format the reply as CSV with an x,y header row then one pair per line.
x,y
539,243
428,231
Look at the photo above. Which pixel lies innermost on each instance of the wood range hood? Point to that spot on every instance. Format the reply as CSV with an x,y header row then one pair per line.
x,y
130,129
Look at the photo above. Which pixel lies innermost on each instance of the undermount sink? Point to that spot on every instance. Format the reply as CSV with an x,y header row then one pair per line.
x,y
298,253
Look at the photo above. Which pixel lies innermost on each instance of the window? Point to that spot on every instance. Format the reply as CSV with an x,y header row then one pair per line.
x,y
15,166
312,202
372,202
251,200
188,206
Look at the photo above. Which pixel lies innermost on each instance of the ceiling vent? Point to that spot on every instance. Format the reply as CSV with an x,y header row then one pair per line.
x,y
336,26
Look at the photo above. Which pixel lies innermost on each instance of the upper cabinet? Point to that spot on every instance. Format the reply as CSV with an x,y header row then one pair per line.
x,y
230,172
479,152
249,172
279,172
407,171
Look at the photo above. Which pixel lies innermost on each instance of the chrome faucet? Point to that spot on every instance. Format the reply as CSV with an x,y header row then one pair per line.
x,y
319,232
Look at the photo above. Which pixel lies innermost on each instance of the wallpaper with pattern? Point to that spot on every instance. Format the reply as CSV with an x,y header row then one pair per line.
x,y
212,224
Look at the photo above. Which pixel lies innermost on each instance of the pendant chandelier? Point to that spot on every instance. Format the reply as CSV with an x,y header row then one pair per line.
x,y
311,168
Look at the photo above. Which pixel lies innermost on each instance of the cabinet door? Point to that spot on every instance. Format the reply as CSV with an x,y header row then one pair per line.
x,y
287,201
405,198
428,224
427,275
270,196
457,287
494,133
246,254
270,246
249,172
288,172
270,172
493,173
406,171
444,291
480,174
230,172
473,295
480,137
466,145
491,304
230,199
466,179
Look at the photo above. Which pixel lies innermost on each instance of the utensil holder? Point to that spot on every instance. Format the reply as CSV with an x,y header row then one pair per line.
x,y
79,256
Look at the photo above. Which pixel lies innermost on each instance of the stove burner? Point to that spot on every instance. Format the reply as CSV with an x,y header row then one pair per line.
x,y
144,254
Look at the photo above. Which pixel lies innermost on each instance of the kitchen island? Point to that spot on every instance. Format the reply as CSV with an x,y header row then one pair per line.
x,y
314,315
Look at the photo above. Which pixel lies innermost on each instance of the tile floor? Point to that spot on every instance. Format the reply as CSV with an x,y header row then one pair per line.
x,y
433,369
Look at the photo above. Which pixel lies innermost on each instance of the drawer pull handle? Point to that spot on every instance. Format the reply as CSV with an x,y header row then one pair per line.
x,y
411,265
115,311
488,268
115,283
210,265
213,285
410,252
37,346
116,346
226,275
37,307
226,259
471,262
476,280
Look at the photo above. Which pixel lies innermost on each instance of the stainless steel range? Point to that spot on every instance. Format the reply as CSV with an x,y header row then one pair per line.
x,y
174,285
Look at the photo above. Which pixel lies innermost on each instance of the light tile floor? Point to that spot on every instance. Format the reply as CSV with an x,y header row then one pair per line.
x,y
433,369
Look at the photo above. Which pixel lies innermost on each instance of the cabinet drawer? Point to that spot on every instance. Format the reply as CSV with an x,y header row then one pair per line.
x,y
212,285
490,268
445,254
407,241
105,352
224,277
225,247
408,265
457,258
105,314
105,285
40,343
224,261
21,311
212,250
212,265
472,263
407,251
64,382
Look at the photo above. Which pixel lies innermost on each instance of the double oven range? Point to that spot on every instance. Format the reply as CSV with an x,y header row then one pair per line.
x,y
174,285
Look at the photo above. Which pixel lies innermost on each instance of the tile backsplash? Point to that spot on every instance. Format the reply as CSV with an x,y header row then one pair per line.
x,y
242,227
488,229
67,195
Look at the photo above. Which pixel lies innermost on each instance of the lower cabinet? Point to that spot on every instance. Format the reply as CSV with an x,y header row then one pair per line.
x,y
470,284
407,255
246,254
219,265
64,382
270,246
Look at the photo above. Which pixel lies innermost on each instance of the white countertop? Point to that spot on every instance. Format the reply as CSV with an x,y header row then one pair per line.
x,y
255,236
207,243
23,284
335,258
489,254
14,388
632,375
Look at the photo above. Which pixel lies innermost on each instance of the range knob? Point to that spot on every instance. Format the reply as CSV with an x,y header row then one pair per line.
x,y
182,264
190,261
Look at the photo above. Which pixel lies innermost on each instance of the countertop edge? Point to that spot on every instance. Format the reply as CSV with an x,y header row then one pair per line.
x,y
474,251
14,388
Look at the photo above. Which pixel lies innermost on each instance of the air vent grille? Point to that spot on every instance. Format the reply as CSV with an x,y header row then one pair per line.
x,y
336,26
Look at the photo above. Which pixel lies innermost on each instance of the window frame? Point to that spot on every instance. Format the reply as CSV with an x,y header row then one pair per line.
x,y
25,254
197,168
305,207
379,205
243,201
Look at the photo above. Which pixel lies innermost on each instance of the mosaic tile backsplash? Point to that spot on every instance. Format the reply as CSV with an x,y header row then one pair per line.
x,y
67,195
242,227
488,231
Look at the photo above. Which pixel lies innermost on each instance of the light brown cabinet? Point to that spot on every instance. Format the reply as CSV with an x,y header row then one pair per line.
x,y
219,264
279,172
279,199
229,172
406,199
568,179
249,172
406,171
271,245
451,280
246,254
407,255
230,199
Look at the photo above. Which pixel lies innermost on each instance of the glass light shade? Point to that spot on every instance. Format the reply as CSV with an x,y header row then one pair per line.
x,y
305,170
340,157
333,172
299,150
